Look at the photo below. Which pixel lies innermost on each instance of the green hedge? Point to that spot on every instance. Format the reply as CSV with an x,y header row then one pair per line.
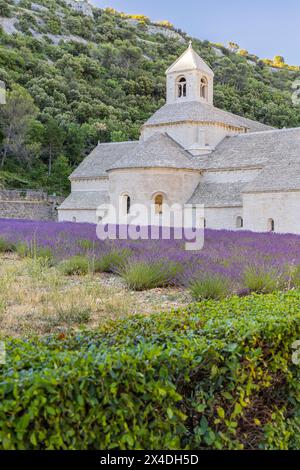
x,y
218,375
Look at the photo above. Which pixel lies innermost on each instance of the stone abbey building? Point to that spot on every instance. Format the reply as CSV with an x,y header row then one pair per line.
x,y
246,174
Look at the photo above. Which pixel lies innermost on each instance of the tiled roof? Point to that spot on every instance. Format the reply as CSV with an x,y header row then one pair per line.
x,y
189,60
88,200
101,158
277,177
159,151
202,112
254,149
218,194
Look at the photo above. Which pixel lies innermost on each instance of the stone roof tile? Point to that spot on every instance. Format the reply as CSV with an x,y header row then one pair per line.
x,y
88,200
198,111
159,151
276,177
189,60
101,158
253,150
218,194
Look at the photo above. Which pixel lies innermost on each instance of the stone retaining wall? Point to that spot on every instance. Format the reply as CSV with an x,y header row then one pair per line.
x,y
32,205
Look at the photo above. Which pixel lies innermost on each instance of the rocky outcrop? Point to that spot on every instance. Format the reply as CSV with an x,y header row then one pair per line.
x,y
81,6
9,25
152,30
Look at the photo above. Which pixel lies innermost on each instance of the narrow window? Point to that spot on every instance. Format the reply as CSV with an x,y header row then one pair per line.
x,y
204,88
239,222
74,219
128,204
271,225
100,219
181,87
125,204
158,201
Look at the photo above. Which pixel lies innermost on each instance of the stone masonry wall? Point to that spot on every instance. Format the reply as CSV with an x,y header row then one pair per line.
x,y
32,205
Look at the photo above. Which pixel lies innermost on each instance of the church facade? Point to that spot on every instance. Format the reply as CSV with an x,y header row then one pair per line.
x,y
244,173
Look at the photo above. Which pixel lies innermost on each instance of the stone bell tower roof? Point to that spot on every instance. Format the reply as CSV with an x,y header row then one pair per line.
x,y
188,61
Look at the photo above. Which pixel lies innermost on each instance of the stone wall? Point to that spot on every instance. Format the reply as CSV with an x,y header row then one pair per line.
x,y
32,205
186,133
281,207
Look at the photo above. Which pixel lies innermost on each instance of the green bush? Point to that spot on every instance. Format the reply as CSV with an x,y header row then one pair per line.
x,y
262,280
142,275
217,375
5,9
210,287
6,246
113,261
76,265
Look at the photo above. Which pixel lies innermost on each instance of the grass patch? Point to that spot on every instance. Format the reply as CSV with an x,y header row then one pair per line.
x,y
210,287
295,277
75,266
6,246
141,276
112,262
262,280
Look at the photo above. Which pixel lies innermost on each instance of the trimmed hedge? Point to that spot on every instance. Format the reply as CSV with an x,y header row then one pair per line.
x,y
218,375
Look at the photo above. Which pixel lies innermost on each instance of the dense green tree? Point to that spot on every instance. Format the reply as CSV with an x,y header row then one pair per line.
x,y
53,140
5,9
58,181
16,116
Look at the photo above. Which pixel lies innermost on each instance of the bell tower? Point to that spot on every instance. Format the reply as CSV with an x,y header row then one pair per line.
x,y
190,79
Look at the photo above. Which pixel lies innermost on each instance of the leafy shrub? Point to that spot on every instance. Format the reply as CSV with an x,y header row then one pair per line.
x,y
262,280
142,275
5,9
217,375
113,261
210,287
6,246
76,265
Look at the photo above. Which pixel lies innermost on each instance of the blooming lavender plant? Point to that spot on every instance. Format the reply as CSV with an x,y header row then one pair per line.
x,y
225,254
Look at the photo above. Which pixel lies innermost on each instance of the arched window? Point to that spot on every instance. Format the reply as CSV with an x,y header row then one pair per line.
x,y
204,88
74,219
239,222
181,88
158,201
271,225
100,219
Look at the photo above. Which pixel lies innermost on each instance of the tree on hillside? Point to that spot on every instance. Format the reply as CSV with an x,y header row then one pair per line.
x,y
16,118
53,141
4,9
58,180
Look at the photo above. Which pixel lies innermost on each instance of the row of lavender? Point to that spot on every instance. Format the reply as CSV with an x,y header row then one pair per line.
x,y
225,253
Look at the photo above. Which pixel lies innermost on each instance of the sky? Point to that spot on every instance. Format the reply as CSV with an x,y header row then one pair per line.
x,y
263,27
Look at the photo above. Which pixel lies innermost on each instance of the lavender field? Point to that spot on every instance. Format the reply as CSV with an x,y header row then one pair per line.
x,y
225,254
